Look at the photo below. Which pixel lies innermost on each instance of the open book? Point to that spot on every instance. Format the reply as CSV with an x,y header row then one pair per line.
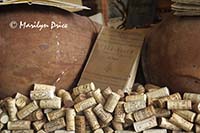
x,y
195,2
69,5
186,7
114,59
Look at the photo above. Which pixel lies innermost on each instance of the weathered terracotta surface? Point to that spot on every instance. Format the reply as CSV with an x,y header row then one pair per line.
x,y
30,56
164,4
171,56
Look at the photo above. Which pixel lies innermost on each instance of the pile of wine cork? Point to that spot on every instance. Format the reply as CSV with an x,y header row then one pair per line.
x,y
147,109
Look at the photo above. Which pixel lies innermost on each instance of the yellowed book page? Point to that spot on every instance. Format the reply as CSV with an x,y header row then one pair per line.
x,y
69,5
112,59
186,7
196,2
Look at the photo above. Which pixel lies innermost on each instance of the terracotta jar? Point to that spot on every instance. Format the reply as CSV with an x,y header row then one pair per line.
x,y
164,4
49,55
171,54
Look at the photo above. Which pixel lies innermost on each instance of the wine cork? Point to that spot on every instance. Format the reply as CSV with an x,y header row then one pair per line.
x,y
88,129
129,118
54,103
41,131
41,95
164,123
111,102
70,119
92,119
162,112
35,116
73,96
117,125
98,96
121,93
19,125
4,118
108,130
2,103
103,124
44,87
80,98
21,102
85,104
133,93
23,131
179,104
196,107
19,95
1,126
136,97
1,110
180,122
60,92
83,89
5,131
106,92
127,125
197,128
47,111
90,94
80,124
125,131
186,114
119,114
162,101
102,114
144,113
145,124
11,108
197,120
66,98
27,110
155,131
54,125
195,98
63,131
162,92
55,114
180,132
134,106
149,87
152,101
37,125
140,89
100,130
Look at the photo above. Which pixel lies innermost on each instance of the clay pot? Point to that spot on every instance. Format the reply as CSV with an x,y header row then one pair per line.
x,y
171,54
50,56
164,4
